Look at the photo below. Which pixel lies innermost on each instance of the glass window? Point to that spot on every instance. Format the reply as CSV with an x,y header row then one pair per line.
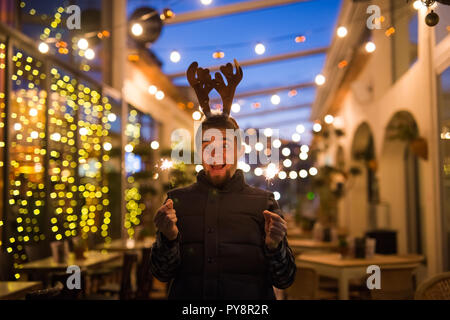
x,y
112,174
63,160
444,126
27,135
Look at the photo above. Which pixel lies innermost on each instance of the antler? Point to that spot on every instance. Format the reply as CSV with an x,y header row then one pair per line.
x,y
227,91
201,81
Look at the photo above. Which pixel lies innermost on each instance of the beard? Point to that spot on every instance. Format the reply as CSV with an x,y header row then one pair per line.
x,y
217,180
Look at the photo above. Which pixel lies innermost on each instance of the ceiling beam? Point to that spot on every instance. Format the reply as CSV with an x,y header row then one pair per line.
x,y
264,60
219,11
264,112
267,91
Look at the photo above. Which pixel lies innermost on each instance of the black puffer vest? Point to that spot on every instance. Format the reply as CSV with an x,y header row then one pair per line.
x,y
222,240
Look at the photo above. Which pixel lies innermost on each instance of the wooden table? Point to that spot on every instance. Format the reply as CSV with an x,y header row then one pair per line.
x,y
127,245
93,259
14,290
332,265
302,245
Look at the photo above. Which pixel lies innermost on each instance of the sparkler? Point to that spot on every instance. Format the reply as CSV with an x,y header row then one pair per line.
x,y
271,171
166,164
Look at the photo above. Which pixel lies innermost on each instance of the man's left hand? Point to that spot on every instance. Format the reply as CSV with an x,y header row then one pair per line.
x,y
275,228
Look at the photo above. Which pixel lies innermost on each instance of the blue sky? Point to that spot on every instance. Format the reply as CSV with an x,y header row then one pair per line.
x,y
237,34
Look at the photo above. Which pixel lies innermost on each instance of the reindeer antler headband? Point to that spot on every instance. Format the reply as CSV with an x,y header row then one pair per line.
x,y
201,81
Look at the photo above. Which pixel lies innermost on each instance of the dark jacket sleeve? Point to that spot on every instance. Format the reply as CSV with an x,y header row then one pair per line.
x,y
281,261
165,257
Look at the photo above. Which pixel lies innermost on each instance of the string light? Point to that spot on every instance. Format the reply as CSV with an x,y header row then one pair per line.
x,y
175,56
341,32
83,44
107,146
418,5
258,171
268,132
260,49
317,127
167,14
259,146
137,29
154,145
286,152
43,47
276,195
303,156
304,148
276,143
152,89
287,163
303,173
89,54
292,93
282,175
320,79
293,175
159,95
300,39
329,119
218,54
275,99
296,137
300,128
112,117
313,171
129,148
342,64
196,115
370,47
235,107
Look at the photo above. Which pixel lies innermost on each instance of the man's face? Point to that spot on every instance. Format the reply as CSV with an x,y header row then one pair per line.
x,y
220,155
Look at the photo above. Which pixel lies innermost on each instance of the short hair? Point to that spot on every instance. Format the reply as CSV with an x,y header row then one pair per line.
x,y
217,121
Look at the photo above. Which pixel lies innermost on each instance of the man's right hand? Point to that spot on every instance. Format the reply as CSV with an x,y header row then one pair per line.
x,y
165,220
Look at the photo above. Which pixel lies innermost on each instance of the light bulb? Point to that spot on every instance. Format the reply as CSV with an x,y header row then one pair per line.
x,y
137,29
260,48
341,32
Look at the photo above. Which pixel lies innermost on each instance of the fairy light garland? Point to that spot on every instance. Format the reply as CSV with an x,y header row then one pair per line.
x,y
2,128
133,198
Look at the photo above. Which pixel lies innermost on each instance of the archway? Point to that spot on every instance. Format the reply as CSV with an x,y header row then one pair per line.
x,y
399,179
364,191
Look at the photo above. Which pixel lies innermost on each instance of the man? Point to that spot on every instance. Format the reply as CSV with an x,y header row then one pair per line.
x,y
220,238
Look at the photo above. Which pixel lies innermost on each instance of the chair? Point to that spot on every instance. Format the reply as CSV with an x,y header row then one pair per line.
x,y
53,293
125,289
144,276
305,286
6,267
435,288
38,251
396,283
66,293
